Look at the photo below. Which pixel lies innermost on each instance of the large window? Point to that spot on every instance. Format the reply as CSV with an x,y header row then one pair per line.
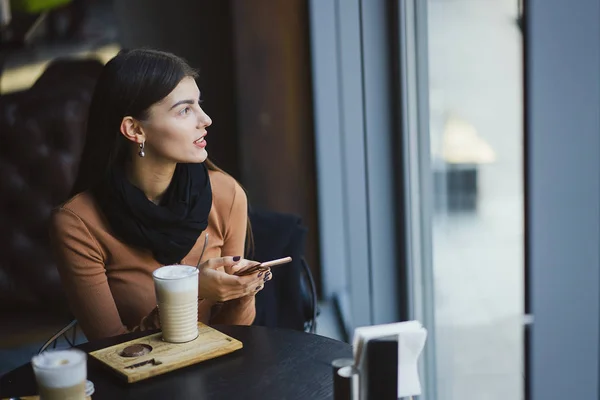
x,y
460,95
463,61
457,150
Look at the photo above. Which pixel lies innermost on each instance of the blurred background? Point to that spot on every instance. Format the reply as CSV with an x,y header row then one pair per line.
x,y
396,130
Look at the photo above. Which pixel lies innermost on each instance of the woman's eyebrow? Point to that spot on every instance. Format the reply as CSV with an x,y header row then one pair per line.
x,y
190,102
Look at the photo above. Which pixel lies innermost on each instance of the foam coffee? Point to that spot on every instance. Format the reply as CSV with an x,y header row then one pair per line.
x,y
176,289
61,374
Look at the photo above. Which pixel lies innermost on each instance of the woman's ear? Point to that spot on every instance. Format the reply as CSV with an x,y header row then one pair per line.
x,y
132,130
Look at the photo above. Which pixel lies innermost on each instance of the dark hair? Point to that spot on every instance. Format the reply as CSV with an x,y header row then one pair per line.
x,y
129,84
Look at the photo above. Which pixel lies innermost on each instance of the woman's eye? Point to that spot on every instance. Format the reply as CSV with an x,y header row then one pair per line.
x,y
185,111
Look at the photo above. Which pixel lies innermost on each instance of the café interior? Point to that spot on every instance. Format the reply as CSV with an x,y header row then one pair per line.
x,y
426,164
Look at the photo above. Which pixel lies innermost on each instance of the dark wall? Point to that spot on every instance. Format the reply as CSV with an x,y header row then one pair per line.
x,y
275,121
254,63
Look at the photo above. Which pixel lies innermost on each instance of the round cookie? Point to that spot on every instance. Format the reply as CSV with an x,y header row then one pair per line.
x,y
135,350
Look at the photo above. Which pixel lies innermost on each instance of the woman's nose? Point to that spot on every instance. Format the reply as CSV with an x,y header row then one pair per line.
x,y
203,119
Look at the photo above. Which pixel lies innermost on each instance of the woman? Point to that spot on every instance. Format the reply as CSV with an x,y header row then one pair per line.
x,y
145,196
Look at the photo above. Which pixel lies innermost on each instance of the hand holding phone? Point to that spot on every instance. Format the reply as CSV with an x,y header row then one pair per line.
x,y
249,270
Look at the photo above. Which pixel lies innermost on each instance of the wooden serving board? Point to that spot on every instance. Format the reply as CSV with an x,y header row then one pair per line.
x,y
167,357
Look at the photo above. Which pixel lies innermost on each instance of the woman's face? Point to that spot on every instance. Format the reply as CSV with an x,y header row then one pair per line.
x,y
176,127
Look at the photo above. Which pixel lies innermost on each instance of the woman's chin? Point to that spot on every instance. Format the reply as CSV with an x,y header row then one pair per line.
x,y
199,158
204,156
196,158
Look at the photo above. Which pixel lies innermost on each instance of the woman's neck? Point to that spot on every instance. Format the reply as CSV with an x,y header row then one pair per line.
x,y
152,178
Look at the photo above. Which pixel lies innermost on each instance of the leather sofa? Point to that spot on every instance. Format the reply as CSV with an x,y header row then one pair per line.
x,y
41,139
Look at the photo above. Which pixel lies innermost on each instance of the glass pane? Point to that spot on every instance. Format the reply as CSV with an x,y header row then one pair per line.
x,y
475,91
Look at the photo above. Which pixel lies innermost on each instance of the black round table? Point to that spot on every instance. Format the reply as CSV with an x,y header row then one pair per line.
x,y
273,364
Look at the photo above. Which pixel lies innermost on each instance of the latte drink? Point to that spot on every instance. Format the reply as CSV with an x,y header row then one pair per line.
x,y
61,374
176,289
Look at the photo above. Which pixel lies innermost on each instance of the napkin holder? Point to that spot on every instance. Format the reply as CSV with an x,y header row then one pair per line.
x,y
379,373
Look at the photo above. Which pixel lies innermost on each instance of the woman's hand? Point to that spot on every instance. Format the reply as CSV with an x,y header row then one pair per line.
x,y
217,282
150,321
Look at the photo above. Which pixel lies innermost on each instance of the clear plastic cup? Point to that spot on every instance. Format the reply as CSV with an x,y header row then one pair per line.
x,y
61,374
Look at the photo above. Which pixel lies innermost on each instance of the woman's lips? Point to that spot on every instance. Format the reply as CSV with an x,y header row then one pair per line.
x,y
201,143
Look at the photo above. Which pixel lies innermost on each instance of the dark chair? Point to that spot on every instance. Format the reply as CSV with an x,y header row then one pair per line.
x,y
289,300
68,333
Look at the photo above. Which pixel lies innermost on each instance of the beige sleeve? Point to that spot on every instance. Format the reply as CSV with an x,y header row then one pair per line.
x,y
80,264
240,311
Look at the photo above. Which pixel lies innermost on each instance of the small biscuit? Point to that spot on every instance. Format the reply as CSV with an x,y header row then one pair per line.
x,y
135,350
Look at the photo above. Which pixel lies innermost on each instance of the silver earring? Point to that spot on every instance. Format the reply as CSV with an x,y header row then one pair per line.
x,y
141,152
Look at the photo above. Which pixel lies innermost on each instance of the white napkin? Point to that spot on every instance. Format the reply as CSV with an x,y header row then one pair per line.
x,y
411,341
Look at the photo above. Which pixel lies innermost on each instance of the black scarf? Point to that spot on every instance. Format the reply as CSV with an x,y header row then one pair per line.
x,y
170,229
